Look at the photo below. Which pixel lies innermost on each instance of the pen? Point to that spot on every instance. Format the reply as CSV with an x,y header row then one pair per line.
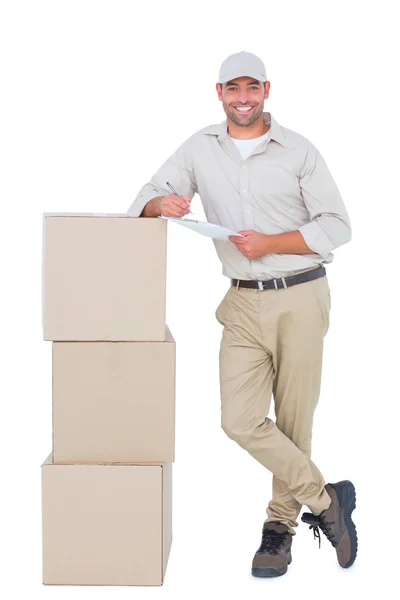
x,y
176,193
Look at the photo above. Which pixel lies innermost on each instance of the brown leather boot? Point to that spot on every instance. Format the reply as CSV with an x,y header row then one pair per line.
x,y
274,554
336,523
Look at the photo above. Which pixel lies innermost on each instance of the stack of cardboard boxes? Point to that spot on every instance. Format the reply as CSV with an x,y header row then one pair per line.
x,y
107,485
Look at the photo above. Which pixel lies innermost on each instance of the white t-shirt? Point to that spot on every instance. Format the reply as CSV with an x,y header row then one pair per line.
x,y
246,147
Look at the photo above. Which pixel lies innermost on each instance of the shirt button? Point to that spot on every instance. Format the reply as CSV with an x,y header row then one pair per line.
x,y
244,190
244,167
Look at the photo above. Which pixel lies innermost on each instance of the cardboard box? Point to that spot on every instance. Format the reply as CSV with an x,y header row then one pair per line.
x,y
106,524
114,401
104,277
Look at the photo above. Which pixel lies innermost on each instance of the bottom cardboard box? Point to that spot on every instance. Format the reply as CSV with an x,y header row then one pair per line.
x,y
106,524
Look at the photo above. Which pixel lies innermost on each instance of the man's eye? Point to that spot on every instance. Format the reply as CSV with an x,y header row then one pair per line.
x,y
255,87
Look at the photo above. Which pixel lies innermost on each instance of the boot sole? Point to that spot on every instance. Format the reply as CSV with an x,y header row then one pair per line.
x,y
346,494
268,572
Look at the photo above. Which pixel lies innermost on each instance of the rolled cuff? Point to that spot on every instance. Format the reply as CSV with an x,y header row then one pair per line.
x,y
316,239
141,200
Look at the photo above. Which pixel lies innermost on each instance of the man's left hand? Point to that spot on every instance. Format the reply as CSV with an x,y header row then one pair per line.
x,y
253,245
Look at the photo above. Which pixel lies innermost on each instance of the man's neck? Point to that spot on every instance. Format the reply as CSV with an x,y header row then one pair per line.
x,y
257,129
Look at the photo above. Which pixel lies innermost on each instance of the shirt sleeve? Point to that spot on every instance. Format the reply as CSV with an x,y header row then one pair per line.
x,y
329,225
177,169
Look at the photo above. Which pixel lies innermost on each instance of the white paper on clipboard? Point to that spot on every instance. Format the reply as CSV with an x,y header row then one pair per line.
x,y
205,228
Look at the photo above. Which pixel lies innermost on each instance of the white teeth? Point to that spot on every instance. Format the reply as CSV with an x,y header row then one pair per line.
x,y
243,109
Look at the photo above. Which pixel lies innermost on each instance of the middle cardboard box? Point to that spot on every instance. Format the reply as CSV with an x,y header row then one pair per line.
x,y
114,402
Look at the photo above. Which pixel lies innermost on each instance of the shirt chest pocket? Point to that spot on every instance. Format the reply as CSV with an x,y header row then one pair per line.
x,y
277,191
277,180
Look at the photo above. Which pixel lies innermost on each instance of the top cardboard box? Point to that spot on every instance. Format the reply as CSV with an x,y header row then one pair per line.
x,y
104,277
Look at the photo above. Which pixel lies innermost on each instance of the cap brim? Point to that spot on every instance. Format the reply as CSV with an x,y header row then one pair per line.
x,y
240,73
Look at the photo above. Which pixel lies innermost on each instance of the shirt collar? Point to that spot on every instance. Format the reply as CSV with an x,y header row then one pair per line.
x,y
275,130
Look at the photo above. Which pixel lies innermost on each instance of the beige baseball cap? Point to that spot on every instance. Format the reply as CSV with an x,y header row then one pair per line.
x,y
242,64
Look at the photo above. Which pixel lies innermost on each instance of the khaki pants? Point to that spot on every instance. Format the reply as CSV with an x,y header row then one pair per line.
x,y
272,343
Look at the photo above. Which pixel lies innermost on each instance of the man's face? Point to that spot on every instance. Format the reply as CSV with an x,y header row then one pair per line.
x,y
243,92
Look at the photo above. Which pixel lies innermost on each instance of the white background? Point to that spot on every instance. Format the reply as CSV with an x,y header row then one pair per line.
x,y
95,96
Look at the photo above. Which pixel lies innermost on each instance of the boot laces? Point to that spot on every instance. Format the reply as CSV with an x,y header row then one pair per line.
x,y
272,540
325,527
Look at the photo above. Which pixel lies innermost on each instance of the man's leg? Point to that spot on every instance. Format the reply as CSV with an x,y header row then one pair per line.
x,y
298,353
247,369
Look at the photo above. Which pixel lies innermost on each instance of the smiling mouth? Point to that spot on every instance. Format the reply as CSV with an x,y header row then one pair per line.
x,y
246,110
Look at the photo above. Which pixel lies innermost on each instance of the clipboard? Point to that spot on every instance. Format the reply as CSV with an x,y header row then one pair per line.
x,y
204,228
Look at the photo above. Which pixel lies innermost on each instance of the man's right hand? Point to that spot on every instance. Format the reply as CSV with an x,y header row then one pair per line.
x,y
174,206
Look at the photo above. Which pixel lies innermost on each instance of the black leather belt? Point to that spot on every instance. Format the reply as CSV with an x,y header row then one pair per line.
x,y
276,284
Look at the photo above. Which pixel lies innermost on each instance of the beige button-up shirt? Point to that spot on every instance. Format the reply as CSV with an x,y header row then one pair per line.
x,y
283,185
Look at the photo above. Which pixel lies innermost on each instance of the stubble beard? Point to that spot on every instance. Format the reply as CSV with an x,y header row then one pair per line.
x,y
244,122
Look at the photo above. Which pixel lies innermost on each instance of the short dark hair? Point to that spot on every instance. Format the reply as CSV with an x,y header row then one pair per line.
x,y
263,82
